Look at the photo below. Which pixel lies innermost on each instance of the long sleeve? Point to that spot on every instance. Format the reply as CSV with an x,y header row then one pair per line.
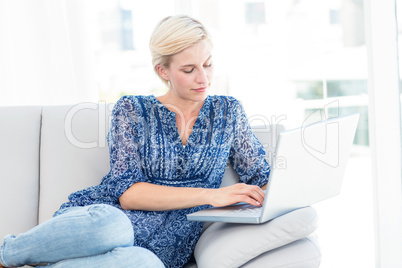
x,y
247,155
123,140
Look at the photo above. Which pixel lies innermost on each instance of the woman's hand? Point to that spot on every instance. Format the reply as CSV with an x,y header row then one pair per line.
x,y
233,194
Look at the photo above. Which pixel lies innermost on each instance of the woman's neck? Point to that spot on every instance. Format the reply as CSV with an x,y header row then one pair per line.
x,y
186,113
186,108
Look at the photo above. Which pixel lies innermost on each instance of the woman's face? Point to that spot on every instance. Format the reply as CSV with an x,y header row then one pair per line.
x,y
190,72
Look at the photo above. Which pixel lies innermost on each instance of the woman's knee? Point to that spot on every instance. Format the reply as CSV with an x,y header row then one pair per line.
x,y
112,225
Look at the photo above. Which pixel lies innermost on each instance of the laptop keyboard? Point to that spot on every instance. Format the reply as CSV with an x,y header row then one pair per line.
x,y
247,210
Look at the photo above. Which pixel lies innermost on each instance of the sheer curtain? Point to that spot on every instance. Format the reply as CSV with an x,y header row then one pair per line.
x,y
45,53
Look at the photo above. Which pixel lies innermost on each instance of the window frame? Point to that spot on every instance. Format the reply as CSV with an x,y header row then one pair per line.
x,y
385,129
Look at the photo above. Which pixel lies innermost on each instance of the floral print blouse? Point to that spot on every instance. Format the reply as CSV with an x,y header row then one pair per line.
x,y
145,146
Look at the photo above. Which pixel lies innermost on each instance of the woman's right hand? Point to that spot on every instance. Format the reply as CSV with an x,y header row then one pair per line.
x,y
152,197
236,193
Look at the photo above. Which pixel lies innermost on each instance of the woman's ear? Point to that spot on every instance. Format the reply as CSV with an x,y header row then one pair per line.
x,y
162,72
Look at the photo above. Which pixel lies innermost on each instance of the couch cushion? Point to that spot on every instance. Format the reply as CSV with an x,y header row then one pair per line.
x,y
19,158
303,253
232,245
74,152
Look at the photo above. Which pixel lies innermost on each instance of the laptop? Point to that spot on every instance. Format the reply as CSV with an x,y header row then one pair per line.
x,y
308,167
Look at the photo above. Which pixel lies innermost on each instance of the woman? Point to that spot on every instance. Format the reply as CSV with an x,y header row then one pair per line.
x,y
167,156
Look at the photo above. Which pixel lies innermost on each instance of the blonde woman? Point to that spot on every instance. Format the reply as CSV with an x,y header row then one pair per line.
x,y
167,156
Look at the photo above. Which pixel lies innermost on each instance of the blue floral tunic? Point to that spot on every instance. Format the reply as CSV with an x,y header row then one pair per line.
x,y
145,146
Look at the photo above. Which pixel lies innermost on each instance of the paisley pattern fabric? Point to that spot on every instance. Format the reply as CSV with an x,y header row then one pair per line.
x,y
145,146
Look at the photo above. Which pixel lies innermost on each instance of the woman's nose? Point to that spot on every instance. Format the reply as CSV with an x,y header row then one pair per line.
x,y
202,77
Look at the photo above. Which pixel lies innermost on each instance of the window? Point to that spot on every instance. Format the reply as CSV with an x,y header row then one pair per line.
x,y
255,13
127,42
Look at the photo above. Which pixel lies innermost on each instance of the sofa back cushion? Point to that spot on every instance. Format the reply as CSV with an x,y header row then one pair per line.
x,y
74,152
19,177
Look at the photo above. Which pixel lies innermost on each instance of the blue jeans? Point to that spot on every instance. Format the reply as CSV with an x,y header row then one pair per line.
x,y
91,236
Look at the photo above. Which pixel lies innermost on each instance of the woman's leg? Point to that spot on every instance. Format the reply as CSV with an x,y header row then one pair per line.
x,y
77,232
120,257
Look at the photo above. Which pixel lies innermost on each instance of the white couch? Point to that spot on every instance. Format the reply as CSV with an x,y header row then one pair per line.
x,y
48,152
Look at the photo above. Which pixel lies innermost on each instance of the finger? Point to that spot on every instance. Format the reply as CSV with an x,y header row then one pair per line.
x,y
254,192
261,192
251,201
255,201
255,187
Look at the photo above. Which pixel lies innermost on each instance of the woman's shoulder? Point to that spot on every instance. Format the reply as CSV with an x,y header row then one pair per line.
x,y
135,99
223,101
222,98
132,103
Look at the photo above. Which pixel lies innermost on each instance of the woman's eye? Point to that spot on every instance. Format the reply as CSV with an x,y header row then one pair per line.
x,y
208,65
188,71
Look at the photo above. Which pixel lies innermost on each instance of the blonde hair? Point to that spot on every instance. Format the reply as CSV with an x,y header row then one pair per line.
x,y
172,35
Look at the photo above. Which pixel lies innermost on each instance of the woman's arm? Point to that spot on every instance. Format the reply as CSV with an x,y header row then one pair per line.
x,y
152,197
247,154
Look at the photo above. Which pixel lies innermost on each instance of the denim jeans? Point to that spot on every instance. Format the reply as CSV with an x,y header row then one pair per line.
x,y
91,236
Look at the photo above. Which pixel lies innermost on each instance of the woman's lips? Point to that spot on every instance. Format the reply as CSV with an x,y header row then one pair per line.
x,y
201,89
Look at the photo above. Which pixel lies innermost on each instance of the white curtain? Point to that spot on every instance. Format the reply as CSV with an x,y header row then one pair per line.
x,y
46,52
